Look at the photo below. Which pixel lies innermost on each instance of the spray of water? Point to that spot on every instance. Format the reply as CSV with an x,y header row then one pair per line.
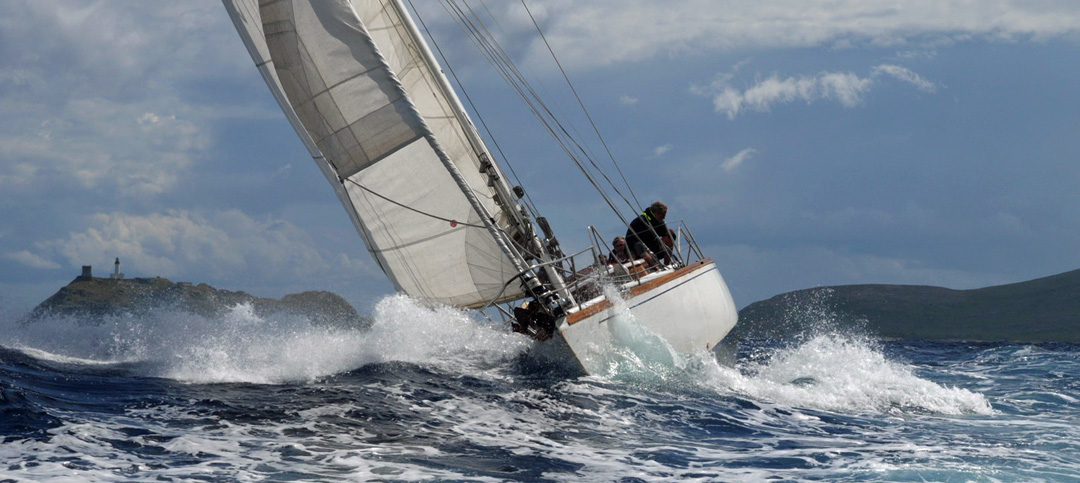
x,y
821,367
242,346
843,373
824,364
825,369
636,352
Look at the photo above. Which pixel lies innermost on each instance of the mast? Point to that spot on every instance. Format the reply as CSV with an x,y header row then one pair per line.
x,y
363,91
506,200
494,175
477,142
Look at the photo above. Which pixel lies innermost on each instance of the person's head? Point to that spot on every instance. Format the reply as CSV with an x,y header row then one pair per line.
x,y
658,210
619,243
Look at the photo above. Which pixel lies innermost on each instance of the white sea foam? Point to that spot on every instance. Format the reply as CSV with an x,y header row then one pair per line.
x,y
828,371
658,416
406,330
49,357
242,346
846,373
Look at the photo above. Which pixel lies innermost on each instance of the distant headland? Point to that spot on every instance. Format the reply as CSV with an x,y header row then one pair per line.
x,y
1042,310
92,299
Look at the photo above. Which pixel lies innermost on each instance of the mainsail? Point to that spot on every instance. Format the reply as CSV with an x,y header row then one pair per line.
x,y
366,97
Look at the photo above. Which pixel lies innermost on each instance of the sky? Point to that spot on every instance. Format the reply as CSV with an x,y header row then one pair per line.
x,y
804,142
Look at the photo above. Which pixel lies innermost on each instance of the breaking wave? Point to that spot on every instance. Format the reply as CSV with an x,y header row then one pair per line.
x,y
241,346
827,371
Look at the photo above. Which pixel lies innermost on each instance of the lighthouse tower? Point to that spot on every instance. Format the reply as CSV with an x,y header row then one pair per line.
x,y
116,275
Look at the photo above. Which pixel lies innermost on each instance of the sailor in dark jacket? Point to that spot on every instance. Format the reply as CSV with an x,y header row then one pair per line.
x,y
649,237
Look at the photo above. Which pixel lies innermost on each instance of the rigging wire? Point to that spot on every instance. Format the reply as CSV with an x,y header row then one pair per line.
x,y
529,202
582,104
485,41
505,58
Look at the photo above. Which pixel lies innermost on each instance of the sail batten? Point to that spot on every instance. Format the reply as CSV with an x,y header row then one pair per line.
x,y
370,107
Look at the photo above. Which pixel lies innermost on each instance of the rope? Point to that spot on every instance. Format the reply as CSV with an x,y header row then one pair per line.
x,y
451,221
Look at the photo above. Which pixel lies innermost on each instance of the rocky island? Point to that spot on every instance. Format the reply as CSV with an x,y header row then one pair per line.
x,y
91,299
1042,310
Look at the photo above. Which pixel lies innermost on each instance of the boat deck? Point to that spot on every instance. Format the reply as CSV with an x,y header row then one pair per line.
x,y
633,289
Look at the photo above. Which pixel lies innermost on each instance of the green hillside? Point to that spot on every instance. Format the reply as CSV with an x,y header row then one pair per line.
x,y
1041,310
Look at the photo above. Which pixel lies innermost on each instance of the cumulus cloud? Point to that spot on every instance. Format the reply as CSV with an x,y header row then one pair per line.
x,y
112,47
99,144
846,88
112,111
661,150
31,260
587,33
93,94
224,245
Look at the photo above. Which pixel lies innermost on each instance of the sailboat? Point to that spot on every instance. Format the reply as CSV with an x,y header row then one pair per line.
x,y
366,95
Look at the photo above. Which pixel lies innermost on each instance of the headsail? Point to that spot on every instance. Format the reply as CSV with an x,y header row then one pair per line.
x,y
369,103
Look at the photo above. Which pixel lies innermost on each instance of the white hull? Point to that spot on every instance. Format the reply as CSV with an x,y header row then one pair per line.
x,y
690,308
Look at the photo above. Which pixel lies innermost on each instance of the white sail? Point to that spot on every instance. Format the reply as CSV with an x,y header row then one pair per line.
x,y
369,103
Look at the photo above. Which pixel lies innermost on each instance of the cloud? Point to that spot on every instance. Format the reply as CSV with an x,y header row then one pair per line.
x,y
112,111
905,75
738,159
661,150
115,47
224,245
587,33
29,259
628,100
95,93
846,88
916,55
283,172
99,144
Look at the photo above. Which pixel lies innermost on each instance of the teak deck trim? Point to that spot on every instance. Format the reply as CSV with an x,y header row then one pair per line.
x,y
637,290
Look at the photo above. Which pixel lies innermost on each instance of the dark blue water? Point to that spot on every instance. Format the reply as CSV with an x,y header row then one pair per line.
x,y
434,395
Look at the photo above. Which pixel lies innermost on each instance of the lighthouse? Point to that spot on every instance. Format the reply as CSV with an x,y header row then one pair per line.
x,y
116,275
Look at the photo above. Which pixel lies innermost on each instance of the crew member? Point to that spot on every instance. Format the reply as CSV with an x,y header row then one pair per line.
x,y
620,252
648,236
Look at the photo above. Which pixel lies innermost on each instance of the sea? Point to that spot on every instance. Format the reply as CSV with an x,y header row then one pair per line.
x,y
438,394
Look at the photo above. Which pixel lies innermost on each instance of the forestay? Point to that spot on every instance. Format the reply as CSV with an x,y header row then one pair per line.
x,y
370,105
